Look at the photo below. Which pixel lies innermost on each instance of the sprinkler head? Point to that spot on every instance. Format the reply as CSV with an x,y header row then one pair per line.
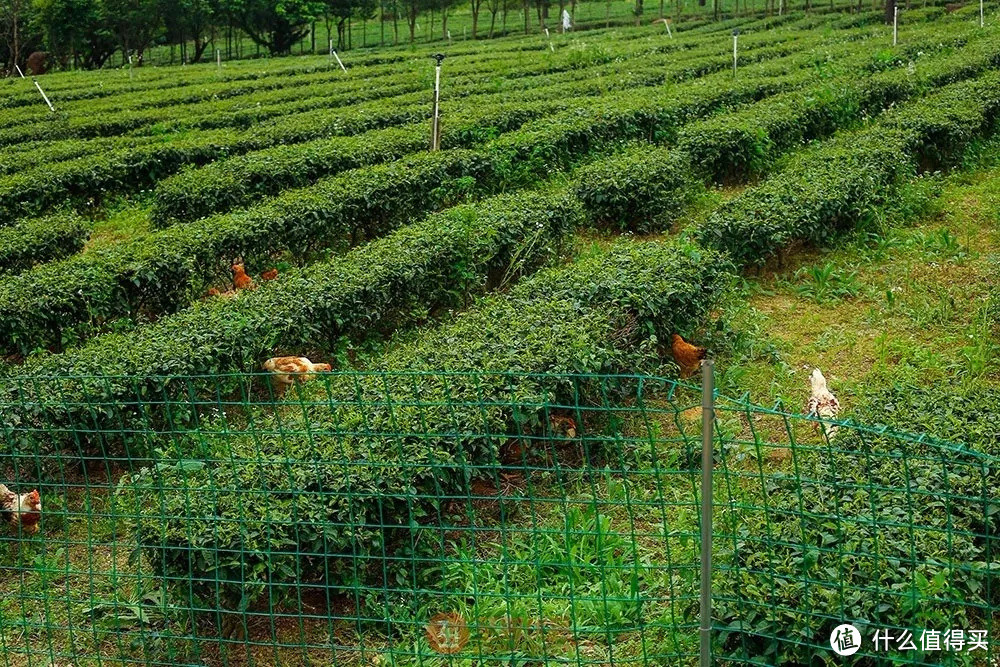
x,y
736,31
438,57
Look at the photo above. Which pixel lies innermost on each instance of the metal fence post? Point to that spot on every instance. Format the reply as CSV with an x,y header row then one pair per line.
x,y
707,465
436,123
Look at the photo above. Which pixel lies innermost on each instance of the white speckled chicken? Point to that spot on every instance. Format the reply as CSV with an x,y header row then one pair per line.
x,y
822,403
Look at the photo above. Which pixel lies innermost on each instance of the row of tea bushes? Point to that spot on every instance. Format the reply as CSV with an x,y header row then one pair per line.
x,y
41,240
388,282
831,187
64,301
382,450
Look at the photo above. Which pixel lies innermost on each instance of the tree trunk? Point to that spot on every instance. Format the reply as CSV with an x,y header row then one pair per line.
x,y
890,11
526,9
199,49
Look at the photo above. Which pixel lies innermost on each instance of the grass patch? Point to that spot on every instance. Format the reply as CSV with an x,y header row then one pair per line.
x,y
907,302
125,220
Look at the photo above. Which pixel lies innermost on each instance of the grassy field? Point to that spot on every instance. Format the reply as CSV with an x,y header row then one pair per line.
x,y
494,462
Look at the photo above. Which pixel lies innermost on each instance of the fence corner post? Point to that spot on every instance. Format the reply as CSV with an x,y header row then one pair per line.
x,y
707,465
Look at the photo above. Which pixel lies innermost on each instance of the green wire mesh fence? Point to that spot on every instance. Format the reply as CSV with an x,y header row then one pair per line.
x,y
476,519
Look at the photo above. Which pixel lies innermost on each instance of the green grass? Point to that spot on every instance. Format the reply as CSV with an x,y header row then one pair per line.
x,y
119,222
906,303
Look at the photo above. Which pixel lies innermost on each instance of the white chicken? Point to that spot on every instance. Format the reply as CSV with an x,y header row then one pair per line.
x,y
24,509
822,403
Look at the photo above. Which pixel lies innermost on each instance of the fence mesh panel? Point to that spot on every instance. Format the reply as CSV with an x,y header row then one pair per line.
x,y
476,519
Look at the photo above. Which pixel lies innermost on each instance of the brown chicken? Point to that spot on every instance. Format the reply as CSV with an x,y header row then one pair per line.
x,y
270,274
240,278
289,370
24,510
687,356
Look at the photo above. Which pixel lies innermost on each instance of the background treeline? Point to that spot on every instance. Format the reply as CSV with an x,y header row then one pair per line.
x,y
97,33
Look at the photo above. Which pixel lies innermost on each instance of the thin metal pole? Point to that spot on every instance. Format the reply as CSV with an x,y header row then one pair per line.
x,y
435,139
895,18
707,465
339,61
19,71
436,124
736,36
218,59
981,13
44,96
667,23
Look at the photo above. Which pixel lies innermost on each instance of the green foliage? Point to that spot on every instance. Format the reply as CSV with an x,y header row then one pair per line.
x,y
908,542
835,186
825,284
43,240
62,301
369,292
603,314
642,189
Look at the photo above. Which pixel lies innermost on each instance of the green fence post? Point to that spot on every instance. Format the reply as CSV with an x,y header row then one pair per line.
x,y
707,421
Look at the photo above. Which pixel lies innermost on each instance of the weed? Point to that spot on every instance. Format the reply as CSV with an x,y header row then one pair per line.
x,y
826,283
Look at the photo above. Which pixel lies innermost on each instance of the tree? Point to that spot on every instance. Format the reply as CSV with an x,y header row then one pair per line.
x,y
275,24
341,11
413,9
189,19
444,6
77,30
475,6
15,20
135,23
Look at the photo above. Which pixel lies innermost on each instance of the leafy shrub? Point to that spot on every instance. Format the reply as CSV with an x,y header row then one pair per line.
x,y
833,186
640,190
381,285
37,241
885,531
392,443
